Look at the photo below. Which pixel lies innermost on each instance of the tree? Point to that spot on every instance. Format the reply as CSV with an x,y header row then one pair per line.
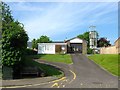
x,y
34,43
84,36
14,39
103,42
42,39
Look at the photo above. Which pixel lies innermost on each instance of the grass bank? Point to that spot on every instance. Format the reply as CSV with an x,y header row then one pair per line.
x,y
49,70
54,58
107,61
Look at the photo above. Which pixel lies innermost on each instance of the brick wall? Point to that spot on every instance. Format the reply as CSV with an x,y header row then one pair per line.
x,y
108,50
117,44
115,49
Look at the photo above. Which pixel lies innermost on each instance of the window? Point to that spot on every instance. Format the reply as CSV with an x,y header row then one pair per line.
x,y
63,47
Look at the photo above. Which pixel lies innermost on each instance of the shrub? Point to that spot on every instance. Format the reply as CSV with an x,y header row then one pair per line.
x,y
89,51
30,52
14,39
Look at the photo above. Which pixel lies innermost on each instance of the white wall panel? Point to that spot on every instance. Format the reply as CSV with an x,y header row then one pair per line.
x,y
76,40
46,49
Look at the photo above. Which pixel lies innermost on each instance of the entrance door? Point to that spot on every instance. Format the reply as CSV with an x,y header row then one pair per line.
x,y
76,47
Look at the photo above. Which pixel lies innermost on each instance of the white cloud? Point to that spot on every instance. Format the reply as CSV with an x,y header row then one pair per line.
x,y
65,17
62,17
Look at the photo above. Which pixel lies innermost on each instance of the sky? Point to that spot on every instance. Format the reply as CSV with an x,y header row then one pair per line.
x,y
65,20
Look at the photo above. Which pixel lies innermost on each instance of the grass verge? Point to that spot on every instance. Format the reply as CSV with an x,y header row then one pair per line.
x,y
62,58
50,71
107,61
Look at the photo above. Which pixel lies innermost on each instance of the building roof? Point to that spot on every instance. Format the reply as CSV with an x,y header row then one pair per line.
x,y
58,42
52,43
75,38
62,42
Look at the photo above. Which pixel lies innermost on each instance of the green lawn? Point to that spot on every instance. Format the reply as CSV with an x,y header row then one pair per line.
x,y
49,70
55,58
107,61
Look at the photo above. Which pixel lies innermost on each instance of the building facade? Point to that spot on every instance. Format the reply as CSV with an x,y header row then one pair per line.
x,y
52,48
74,45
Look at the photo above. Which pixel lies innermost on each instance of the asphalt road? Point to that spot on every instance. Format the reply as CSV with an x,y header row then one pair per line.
x,y
83,73
90,75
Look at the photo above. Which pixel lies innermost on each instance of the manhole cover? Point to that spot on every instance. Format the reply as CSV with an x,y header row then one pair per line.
x,y
97,82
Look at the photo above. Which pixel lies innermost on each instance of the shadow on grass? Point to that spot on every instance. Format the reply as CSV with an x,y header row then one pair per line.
x,y
38,56
49,70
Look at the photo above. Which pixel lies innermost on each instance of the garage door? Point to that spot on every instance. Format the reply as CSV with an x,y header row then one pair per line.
x,y
76,48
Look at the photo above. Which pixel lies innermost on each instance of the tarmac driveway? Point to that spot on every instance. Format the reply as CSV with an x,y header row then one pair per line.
x,y
83,73
90,75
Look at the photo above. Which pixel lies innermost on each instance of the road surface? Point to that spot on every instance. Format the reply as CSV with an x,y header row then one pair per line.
x,y
83,73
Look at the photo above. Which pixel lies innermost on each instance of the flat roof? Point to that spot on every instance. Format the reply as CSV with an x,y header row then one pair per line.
x,y
74,38
53,43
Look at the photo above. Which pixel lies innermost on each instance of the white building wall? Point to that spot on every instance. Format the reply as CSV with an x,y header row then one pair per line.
x,y
46,48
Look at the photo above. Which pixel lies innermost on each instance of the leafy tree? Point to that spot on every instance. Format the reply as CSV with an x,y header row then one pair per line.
x,y
103,42
89,51
42,39
14,38
34,43
84,36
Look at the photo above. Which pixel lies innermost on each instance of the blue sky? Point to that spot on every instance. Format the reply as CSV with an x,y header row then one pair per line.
x,y
61,20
